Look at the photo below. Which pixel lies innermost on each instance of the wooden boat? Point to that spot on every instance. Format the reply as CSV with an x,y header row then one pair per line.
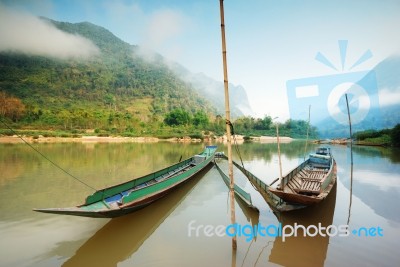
x,y
133,195
304,250
120,238
240,193
276,203
311,181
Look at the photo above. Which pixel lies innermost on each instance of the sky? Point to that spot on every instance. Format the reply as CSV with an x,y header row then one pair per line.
x,y
269,42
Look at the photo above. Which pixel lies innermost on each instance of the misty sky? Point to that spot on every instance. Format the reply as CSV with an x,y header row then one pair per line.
x,y
269,42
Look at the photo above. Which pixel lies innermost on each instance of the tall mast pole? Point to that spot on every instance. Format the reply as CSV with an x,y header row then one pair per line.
x,y
351,159
228,119
308,129
279,157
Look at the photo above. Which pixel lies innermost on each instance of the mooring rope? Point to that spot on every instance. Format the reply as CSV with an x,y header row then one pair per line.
x,y
45,157
235,141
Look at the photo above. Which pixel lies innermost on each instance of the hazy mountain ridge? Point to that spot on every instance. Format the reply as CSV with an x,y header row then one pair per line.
x,y
214,90
117,78
386,115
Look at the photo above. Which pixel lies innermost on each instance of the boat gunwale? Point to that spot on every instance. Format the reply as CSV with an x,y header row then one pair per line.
x,y
102,194
309,199
110,210
195,170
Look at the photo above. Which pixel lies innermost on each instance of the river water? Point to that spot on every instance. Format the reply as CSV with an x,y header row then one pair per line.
x,y
172,231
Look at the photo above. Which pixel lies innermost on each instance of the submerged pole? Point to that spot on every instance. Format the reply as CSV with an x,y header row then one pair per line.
x,y
228,119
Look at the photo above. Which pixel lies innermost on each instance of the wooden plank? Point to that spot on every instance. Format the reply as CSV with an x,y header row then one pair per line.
x,y
296,182
290,188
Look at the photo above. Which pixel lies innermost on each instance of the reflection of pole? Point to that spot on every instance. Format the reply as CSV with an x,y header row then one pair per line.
x,y
351,160
228,128
233,258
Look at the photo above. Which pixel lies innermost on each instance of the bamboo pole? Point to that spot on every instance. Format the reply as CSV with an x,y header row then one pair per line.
x,y
228,128
279,157
348,113
308,129
351,160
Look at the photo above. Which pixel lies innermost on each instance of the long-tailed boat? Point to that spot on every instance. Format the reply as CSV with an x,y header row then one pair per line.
x,y
135,194
311,181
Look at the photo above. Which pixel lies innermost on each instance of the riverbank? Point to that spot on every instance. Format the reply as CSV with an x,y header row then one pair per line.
x,y
14,139
346,141
84,139
92,139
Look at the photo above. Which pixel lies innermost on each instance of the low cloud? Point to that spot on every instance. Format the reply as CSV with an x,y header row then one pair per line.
x,y
389,97
25,33
161,29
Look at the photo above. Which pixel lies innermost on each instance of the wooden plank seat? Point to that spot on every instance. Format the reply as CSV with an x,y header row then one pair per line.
x,y
308,185
312,174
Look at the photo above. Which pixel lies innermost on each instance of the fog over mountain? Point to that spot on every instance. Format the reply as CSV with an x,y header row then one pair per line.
x,y
58,68
383,104
27,34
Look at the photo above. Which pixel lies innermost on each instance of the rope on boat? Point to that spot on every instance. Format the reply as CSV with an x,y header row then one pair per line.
x,y
44,156
235,142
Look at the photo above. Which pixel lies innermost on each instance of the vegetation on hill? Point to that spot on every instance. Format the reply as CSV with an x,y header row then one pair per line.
x,y
116,92
385,137
97,93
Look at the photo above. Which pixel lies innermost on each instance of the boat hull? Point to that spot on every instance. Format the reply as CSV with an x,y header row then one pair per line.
x,y
113,213
307,200
103,209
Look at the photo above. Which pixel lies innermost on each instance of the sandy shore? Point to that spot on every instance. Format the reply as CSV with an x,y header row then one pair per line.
x,y
83,139
272,139
119,139
91,139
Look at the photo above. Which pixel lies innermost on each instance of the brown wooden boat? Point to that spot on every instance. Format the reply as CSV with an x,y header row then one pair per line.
x,y
311,181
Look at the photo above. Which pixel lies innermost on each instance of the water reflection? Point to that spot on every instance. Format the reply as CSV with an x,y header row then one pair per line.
x,y
266,151
252,215
122,237
157,235
372,175
300,250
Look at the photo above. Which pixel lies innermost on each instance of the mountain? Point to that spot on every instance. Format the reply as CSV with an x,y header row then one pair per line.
x,y
214,90
381,86
117,84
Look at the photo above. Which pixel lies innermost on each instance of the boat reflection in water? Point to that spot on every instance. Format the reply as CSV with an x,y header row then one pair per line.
x,y
122,237
300,250
252,215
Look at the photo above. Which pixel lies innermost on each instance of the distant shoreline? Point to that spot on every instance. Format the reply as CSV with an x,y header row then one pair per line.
x,y
346,141
120,139
84,139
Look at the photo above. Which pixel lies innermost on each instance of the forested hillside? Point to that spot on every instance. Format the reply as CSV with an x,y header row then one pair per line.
x,y
117,91
111,90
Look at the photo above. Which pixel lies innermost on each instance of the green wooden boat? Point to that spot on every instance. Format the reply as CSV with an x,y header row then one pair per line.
x,y
239,192
133,195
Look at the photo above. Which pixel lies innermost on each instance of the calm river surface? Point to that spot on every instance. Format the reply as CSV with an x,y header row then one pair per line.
x,y
159,235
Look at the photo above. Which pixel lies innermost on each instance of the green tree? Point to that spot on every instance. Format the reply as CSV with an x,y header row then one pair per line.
x,y
200,118
177,117
263,124
395,135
